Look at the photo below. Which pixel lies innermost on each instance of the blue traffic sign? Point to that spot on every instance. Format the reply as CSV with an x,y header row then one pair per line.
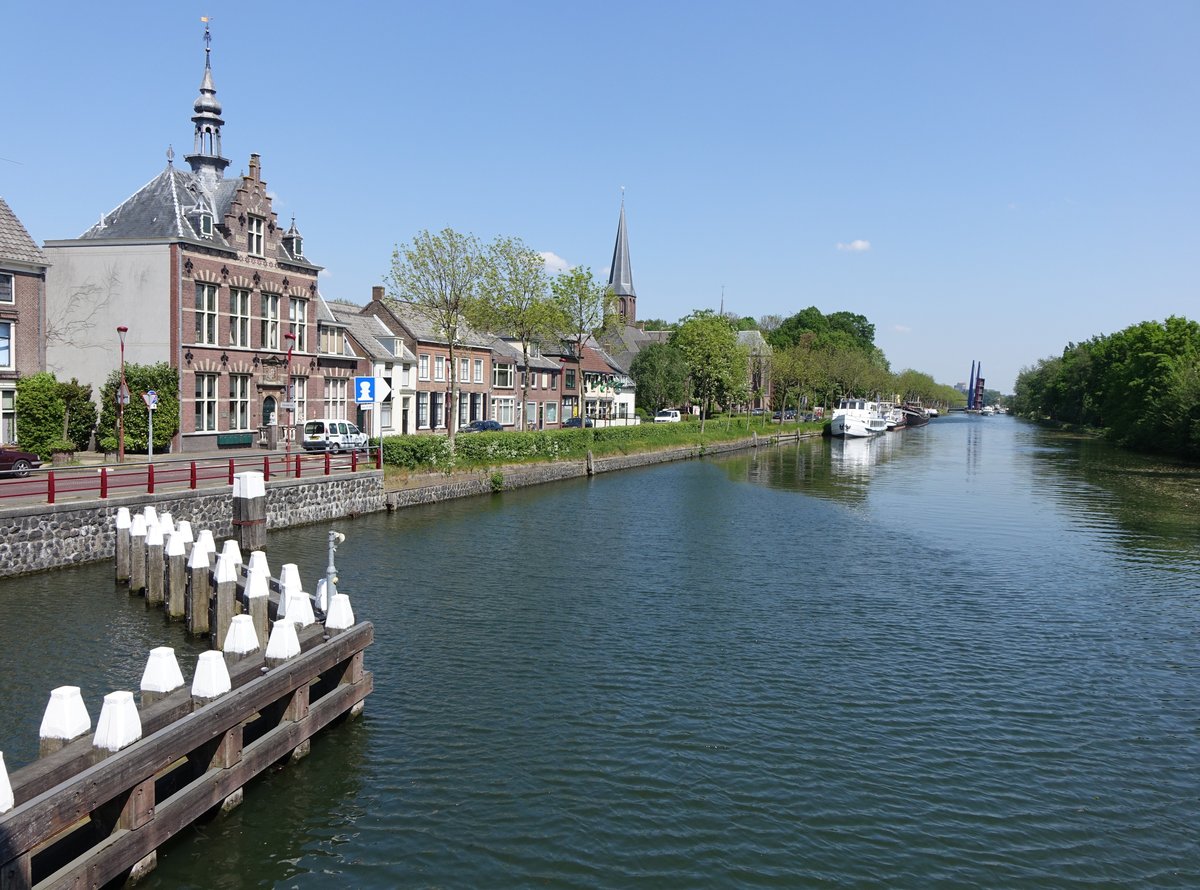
x,y
364,390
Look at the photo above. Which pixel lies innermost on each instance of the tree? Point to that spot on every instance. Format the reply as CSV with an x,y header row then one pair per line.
x,y
162,379
516,301
715,360
40,410
440,275
80,417
661,375
587,307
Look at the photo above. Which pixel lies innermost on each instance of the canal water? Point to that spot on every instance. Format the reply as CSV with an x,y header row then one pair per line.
x,y
963,655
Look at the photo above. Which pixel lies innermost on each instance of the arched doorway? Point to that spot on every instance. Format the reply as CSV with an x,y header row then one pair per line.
x,y
269,411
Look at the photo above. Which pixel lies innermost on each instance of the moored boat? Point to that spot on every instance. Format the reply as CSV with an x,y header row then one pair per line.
x,y
915,415
857,418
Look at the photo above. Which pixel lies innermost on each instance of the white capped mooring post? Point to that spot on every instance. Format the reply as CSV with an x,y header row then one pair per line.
x,y
212,677
289,580
199,587
258,562
258,596
230,548
137,553
250,510
167,522
119,725
162,675
340,616
185,530
122,545
283,644
151,514
242,639
155,564
7,801
176,593
66,719
226,577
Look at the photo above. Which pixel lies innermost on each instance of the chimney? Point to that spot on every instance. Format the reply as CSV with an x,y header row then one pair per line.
x,y
255,172
377,293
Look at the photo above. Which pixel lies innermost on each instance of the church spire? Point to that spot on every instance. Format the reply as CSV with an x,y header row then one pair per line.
x,y
620,276
205,159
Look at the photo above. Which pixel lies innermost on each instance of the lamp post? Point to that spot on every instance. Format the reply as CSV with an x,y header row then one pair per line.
x,y
289,395
122,398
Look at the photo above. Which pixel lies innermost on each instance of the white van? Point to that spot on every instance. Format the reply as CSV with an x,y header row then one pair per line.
x,y
667,415
328,434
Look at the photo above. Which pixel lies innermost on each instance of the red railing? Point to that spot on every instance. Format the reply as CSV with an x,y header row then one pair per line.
x,y
52,485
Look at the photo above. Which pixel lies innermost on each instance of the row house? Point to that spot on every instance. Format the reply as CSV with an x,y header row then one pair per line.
x,y
432,385
608,392
388,359
535,384
22,314
199,270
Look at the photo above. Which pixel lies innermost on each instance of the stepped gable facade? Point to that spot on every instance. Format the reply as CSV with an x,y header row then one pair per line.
x,y
22,314
200,270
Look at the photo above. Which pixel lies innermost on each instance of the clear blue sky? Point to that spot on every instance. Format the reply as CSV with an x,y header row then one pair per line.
x,y
982,180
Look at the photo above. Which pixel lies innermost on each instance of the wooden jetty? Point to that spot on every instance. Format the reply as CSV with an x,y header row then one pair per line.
x,y
94,809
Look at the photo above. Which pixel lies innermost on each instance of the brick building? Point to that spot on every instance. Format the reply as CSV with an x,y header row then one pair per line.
x,y
22,314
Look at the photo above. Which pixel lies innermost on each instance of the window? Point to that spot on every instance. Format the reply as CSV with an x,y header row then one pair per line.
x,y
7,287
423,368
533,380
385,413
570,406
406,375
553,382
435,406
502,376
502,411
477,406
8,416
422,410
463,409
206,402
333,341
239,317
569,383
206,313
439,367
270,321
298,321
530,415
552,412
524,379
6,352
299,395
206,222
464,370
298,247
479,370
254,235
239,402
335,397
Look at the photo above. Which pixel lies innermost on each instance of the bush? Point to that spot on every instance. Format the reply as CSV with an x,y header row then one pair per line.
x,y
416,452
40,413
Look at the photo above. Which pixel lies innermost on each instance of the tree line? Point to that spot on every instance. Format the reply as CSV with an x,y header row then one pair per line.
x,y
1141,386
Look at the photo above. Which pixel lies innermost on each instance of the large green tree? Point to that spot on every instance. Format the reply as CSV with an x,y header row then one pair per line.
x,y
516,301
716,362
162,379
587,305
661,375
441,274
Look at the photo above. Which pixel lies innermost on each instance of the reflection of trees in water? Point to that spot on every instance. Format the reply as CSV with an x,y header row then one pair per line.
x,y
838,469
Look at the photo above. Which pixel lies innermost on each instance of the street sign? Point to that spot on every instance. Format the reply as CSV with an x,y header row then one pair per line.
x,y
364,390
382,390
151,399
288,406
123,395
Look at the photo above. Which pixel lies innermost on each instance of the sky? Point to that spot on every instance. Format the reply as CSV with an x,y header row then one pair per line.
x,y
984,181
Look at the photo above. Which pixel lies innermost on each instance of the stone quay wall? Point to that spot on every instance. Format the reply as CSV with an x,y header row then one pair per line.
x,y
49,536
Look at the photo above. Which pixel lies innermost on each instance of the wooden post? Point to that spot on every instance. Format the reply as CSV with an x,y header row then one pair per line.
x,y
122,545
155,565
137,554
258,599
250,511
199,590
176,593
226,576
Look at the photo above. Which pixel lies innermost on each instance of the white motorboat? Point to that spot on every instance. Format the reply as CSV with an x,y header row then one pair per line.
x,y
858,419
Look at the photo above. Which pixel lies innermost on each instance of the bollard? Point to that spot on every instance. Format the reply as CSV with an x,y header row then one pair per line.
x,y
119,725
155,566
199,589
122,523
185,530
137,553
7,801
250,510
299,608
231,549
212,678
289,579
167,523
258,562
176,593
150,514
65,720
161,677
341,616
283,644
242,639
258,598
226,577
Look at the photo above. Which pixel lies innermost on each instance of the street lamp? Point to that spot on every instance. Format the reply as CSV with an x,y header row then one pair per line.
x,y
122,398
289,395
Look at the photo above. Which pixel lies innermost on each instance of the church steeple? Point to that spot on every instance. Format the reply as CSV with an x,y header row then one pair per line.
x,y
206,160
620,276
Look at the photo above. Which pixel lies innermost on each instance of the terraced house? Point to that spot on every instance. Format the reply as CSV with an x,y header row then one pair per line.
x,y
22,314
200,270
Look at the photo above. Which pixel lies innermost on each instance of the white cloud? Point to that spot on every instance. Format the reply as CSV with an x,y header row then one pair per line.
x,y
856,246
902,329
554,263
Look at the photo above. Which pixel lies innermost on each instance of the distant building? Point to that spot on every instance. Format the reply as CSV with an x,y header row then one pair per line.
x,y
205,277
22,314
758,369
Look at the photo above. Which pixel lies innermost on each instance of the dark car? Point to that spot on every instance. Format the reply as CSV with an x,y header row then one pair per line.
x,y
18,463
482,426
578,422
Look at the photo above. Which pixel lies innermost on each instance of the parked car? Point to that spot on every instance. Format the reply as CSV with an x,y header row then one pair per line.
x,y
18,463
328,434
482,426
578,422
668,415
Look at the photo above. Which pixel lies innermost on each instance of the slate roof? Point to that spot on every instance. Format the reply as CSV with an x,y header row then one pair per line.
x,y
15,243
417,323
367,330
510,350
620,276
755,342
